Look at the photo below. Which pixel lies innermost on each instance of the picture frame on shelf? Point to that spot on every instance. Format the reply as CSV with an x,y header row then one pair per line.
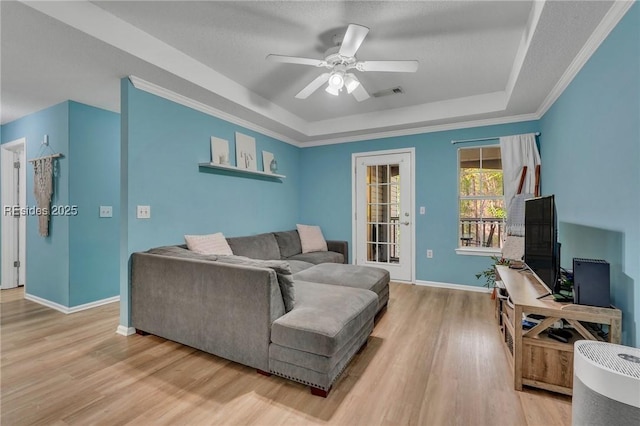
x,y
246,152
219,151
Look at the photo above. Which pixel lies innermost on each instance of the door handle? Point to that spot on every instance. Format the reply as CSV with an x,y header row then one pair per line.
x,y
405,223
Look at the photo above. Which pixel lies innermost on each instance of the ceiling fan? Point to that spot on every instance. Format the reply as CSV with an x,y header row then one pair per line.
x,y
341,59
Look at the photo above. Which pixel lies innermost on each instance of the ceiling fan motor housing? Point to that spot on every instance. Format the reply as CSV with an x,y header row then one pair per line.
x,y
333,58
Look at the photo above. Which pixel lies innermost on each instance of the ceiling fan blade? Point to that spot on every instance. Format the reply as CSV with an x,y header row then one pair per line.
x,y
387,66
353,39
360,93
313,86
296,60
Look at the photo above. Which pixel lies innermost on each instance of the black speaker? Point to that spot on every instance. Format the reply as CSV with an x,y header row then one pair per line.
x,y
591,282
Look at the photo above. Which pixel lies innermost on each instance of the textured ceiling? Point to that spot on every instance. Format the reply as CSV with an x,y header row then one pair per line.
x,y
478,60
235,39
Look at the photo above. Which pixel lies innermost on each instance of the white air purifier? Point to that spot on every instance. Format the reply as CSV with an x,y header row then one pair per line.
x,y
606,384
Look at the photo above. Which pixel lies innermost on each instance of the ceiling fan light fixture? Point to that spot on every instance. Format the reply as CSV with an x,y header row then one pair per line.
x,y
336,80
351,83
332,90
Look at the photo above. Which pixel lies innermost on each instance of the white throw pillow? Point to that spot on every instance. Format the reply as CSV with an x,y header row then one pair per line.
x,y
208,244
311,238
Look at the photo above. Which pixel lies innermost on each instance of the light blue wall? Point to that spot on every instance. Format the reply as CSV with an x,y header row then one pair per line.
x,y
164,142
78,262
94,141
591,157
326,195
47,272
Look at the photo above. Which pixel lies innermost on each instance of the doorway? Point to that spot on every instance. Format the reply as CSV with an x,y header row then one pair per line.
x,y
383,205
13,195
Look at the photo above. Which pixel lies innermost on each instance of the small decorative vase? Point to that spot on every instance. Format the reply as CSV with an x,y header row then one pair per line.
x,y
273,166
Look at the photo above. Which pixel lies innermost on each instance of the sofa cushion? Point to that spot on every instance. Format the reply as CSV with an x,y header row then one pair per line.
x,y
261,246
208,244
315,370
298,265
319,257
316,362
366,277
325,318
289,243
182,252
281,268
311,238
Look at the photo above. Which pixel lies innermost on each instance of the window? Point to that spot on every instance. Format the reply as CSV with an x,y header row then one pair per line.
x,y
481,210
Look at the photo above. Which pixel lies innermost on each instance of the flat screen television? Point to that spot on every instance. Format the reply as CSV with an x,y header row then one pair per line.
x,y
541,247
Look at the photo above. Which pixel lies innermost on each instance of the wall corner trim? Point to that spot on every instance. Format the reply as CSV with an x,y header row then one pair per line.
x,y
123,330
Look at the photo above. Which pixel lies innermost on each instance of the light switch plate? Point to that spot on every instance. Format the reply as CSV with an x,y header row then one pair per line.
x,y
106,211
143,212
422,209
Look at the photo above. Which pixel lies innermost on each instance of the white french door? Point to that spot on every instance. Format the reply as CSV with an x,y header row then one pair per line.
x,y
383,216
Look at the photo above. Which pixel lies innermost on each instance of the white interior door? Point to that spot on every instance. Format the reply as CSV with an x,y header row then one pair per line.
x,y
383,217
13,195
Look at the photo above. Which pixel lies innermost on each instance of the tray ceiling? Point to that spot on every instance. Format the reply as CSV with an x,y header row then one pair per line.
x,y
479,61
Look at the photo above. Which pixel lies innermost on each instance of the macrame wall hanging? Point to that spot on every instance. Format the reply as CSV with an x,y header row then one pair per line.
x,y
43,173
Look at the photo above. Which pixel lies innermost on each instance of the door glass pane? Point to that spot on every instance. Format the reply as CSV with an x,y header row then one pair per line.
x,y
371,252
372,193
383,213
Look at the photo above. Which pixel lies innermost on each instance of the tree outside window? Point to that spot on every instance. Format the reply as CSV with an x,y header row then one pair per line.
x,y
482,212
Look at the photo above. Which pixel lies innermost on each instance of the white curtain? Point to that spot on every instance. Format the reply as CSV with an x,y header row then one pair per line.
x,y
518,151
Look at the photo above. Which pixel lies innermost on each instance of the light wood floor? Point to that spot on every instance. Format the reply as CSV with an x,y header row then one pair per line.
x,y
434,358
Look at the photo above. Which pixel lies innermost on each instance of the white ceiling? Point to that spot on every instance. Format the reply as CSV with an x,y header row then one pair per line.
x,y
480,61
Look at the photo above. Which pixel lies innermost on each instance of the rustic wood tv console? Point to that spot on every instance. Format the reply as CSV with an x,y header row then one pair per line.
x,y
536,359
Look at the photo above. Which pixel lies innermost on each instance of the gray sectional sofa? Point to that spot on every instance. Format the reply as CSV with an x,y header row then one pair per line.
x,y
302,316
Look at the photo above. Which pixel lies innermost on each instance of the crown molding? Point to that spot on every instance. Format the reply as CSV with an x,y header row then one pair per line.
x,y
454,108
608,23
425,129
172,96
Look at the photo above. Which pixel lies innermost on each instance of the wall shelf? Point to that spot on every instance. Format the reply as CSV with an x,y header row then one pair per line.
x,y
235,169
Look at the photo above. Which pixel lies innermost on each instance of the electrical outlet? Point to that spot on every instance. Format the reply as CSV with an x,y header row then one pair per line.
x,y
143,212
429,254
422,210
106,211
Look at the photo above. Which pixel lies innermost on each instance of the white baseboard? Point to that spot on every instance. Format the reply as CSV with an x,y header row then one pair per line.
x,y
454,286
73,309
123,330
